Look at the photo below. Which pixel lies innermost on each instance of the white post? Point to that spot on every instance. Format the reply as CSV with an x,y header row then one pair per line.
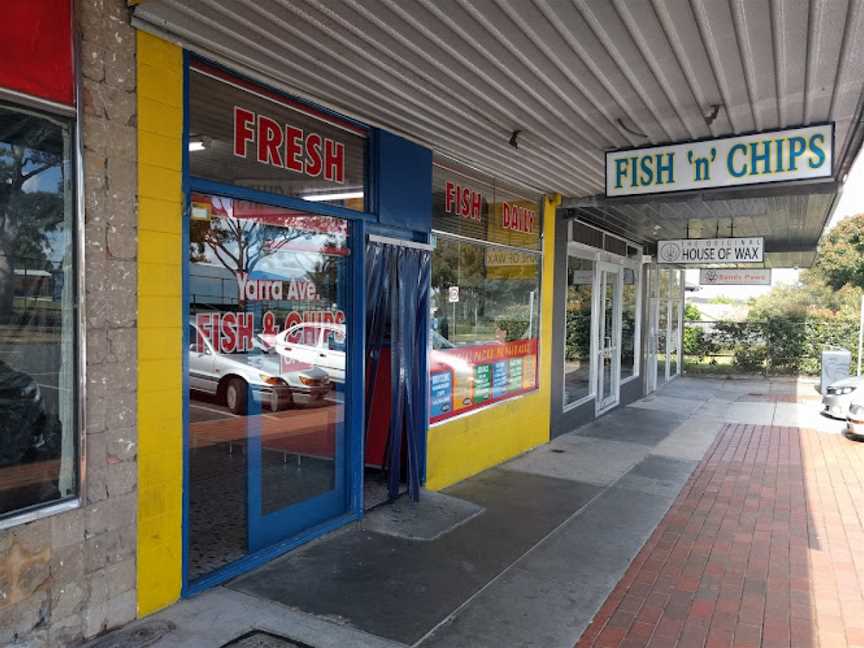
x,y
860,335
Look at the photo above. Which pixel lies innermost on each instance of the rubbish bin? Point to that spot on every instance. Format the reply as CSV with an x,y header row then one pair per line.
x,y
835,366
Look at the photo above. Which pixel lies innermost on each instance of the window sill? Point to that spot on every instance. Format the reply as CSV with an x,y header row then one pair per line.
x,y
38,514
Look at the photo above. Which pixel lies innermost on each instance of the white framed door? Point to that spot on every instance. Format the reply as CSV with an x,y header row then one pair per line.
x,y
608,341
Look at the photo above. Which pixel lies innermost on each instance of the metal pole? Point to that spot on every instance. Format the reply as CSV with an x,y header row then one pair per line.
x,y
860,334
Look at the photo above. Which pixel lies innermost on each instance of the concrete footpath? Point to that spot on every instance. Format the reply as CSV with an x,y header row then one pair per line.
x,y
527,553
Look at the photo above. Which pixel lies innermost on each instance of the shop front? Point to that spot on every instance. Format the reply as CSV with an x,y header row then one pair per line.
x,y
598,337
285,251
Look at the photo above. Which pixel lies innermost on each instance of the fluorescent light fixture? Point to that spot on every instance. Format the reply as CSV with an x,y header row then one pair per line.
x,y
347,195
196,145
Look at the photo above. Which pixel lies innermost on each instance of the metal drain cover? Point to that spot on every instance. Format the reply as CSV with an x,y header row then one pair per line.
x,y
139,636
261,639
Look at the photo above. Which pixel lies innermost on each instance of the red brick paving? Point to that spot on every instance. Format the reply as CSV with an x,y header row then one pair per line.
x,y
758,550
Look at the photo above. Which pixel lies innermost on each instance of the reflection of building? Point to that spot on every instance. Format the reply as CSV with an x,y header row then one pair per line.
x,y
546,312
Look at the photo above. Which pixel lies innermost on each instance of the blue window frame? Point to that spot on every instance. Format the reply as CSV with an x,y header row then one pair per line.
x,y
355,317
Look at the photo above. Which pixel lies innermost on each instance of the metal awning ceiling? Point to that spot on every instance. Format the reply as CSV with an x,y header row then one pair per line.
x,y
577,77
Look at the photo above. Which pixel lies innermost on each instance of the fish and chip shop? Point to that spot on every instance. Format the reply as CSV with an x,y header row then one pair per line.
x,y
249,292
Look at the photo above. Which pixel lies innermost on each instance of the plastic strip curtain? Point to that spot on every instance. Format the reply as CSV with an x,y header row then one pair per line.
x,y
398,285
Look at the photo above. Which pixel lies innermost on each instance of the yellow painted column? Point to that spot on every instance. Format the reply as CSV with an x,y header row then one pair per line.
x,y
465,446
160,326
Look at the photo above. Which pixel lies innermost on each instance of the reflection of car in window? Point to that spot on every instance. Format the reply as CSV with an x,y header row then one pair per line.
x,y
233,377
28,434
319,344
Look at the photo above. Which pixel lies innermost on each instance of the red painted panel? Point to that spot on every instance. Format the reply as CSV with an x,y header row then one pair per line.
x,y
36,49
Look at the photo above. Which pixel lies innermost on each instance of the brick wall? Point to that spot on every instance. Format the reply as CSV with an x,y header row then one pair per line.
x,y
71,576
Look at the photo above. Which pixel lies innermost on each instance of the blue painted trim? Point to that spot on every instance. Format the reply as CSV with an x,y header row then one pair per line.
x,y
253,195
351,475
184,309
355,405
253,560
373,171
397,232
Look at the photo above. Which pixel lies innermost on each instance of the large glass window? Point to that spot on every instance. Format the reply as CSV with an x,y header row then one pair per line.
x,y
485,323
267,371
629,323
38,385
260,140
577,335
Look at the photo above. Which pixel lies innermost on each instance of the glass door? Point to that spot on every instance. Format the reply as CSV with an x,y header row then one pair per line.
x,y
609,337
675,314
652,316
268,293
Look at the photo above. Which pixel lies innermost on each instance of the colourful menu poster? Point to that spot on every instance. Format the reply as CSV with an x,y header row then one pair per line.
x,y
529,371
482,383
515,374
500,379
441,397
462,396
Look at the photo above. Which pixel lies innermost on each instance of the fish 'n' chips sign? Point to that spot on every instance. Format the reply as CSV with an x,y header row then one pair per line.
x,y
777,156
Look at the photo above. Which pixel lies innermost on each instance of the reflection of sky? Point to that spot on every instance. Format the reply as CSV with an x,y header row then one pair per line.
x,y
49,180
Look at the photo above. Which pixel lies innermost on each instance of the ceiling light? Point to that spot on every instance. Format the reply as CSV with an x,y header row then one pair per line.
x,y
347,195
196,145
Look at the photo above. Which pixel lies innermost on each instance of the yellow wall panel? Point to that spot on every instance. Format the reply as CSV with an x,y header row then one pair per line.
x,y
163,279
159,312
158,182
156,215
160,326
465,446
159,150
154,247
160,118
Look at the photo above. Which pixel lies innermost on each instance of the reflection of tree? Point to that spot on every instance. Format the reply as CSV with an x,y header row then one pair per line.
x,y
325,272
25,217
239,244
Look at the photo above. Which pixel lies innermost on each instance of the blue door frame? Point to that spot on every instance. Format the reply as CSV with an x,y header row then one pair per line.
x,y
276,534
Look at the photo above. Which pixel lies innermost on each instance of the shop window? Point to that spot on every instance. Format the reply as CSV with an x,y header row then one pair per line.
x,y
586,235
577,336
614,245
38,383
485,291
267,336
485,323
629,324
243,135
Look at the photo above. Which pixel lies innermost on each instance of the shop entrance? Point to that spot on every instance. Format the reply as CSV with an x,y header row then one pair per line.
x,y
608,329
268,385
665,311
397,284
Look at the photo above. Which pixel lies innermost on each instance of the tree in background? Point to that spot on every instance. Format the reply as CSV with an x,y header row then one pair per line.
x,y
841,254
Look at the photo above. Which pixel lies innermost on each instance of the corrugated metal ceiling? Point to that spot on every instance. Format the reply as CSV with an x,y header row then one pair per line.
x,y
577,77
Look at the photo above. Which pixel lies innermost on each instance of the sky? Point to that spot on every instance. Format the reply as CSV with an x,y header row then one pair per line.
x,y
851,203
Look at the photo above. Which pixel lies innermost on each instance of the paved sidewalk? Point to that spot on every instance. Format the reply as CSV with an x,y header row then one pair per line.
x,y
525,554
762,548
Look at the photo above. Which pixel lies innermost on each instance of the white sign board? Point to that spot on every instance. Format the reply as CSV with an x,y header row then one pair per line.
x,y
453,294
776,156
719,250
735,277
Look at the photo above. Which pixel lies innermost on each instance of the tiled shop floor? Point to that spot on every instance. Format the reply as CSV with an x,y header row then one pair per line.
x,y
762,547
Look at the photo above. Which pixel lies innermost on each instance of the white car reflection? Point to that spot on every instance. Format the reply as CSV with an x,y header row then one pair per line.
x,y
319,344
232,378
323,345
